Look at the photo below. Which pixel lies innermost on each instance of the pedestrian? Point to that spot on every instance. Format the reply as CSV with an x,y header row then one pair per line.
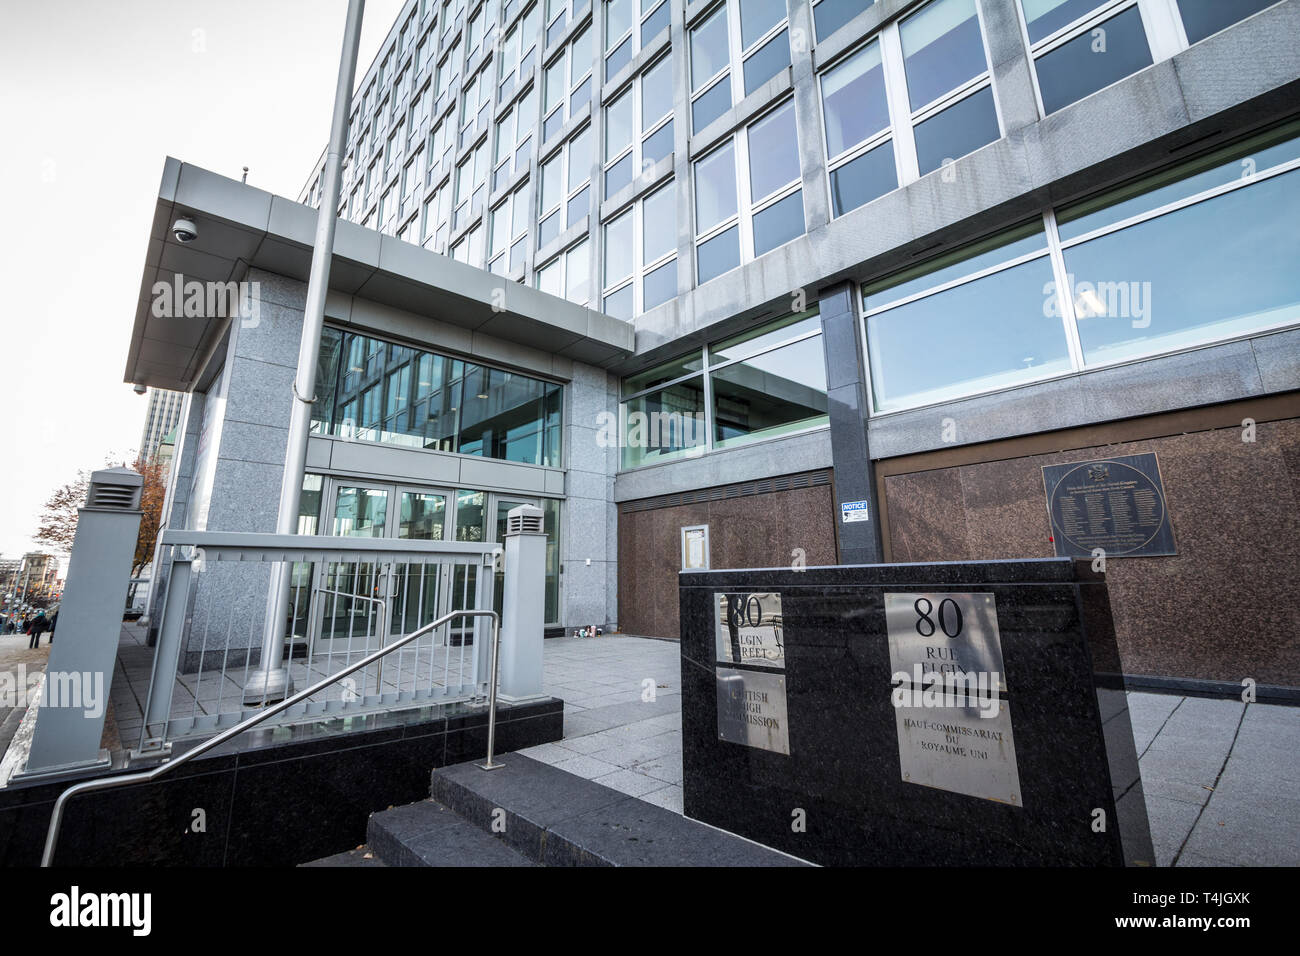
x,y
53,621
38,627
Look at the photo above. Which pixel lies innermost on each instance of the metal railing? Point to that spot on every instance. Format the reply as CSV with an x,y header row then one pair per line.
x,y
349,596
109,783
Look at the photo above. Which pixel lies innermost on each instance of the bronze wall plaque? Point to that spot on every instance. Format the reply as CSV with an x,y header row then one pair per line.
x,y
751,709
1113,504
960,750
747,629
948,634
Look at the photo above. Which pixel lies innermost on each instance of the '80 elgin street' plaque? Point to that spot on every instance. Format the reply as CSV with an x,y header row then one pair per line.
x,y
1113,504
751,703
747,629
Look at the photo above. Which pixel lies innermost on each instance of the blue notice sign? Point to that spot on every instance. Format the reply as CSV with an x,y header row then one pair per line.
x,y
855,511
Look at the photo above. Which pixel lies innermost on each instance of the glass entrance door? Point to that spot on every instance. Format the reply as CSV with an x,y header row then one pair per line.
x,y
349,591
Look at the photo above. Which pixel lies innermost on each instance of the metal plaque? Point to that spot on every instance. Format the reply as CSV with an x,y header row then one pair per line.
x,y
747,629
945,636
1115,505
751,709
960,750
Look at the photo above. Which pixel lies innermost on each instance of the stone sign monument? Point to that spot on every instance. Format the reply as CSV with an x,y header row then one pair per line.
x,y
967,713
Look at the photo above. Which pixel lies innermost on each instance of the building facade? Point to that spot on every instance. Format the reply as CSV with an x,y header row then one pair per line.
x,y
836,281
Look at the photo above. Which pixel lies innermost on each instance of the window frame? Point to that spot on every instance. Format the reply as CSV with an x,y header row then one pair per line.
x,y
639,133
734,69
709,367
1056,248
563,154
746,206
640,268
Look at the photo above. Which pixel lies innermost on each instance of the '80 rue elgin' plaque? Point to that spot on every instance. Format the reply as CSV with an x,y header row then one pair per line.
x,y
954,728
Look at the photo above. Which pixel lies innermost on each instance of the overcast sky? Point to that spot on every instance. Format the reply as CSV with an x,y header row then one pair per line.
x,y
94,94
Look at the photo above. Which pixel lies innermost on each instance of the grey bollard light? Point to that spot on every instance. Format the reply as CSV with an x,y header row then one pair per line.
x,y
523,604
78,677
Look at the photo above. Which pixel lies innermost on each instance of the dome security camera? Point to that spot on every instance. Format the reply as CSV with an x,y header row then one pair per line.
x,y
140,389
184,230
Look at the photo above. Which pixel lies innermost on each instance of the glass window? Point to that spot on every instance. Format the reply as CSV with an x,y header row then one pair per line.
x,y
830,15
863,179
719,254
960,129
853,100
769,381
1201,18
662,425
1099,56
709,48
434,402
1150,287
948,82
942,49
770,394
660,223
659,285
773,152
778,223
715,188
990,332
757,17
765,63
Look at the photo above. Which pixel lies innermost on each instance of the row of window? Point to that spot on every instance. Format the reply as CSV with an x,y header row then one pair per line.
x,y
1198,254
1204,253
913,97
372,390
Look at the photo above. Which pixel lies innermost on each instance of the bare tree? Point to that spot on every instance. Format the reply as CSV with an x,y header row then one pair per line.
x,y
58,521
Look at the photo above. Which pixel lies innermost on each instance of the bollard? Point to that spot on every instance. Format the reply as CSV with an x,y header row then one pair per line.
x,y
523,604
78,678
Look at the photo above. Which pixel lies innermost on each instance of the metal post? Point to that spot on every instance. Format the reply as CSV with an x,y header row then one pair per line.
x,y
271,680
162,683
492,697
523,604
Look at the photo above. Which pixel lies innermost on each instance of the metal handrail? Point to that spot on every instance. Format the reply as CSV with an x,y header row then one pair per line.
x,y
109,783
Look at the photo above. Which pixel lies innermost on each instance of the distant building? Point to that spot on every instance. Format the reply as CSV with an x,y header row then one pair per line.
x,y
160,421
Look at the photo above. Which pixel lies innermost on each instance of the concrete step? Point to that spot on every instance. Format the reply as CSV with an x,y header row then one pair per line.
x,y
429,834
558,819
361,856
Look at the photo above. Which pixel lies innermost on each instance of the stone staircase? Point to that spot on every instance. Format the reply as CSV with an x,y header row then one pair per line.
x,y
530,814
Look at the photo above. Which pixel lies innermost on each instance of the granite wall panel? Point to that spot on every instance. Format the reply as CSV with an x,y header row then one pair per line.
x,y
1222,608
756,531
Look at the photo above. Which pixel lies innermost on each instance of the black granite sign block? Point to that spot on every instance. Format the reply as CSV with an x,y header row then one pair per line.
x,y
834,772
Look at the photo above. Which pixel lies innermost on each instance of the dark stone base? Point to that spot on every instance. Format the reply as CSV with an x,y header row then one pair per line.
x,y
275,797
842,778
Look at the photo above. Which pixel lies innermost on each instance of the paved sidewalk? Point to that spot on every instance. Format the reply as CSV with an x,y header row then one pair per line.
x,y
1221,778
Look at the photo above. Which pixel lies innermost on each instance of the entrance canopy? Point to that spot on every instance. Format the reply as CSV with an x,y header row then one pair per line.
x,y
240,227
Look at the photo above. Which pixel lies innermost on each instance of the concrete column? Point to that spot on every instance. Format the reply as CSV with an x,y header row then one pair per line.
x,y
70,721
846,387
523,605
